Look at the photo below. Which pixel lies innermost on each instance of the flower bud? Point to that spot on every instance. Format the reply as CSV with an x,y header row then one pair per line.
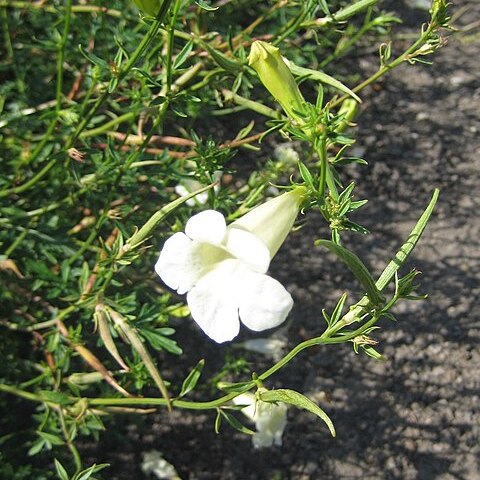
x,y
273,72
150,7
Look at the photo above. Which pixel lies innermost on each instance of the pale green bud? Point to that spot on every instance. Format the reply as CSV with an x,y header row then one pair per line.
x,y
275,75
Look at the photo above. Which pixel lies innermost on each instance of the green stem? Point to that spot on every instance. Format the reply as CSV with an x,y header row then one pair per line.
x,y
386,68
54,9
138,237
108,126
16,243
61,56
251,104
170,41
68,440
6,37
326,175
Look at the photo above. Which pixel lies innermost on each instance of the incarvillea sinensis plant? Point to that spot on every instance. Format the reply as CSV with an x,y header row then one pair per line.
x,y
150,154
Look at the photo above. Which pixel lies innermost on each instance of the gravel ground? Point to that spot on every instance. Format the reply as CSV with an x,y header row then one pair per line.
x,y
417,415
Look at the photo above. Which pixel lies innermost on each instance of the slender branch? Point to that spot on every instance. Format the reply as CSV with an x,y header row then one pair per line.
x,y
54,9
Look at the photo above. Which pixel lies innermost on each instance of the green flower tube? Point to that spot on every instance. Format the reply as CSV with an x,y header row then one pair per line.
x,y
273,72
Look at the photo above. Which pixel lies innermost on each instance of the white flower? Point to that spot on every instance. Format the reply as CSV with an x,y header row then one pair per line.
x,y
154,463
189,185
223,269
270,419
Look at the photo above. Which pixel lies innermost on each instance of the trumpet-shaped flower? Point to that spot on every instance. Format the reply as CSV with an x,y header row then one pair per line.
x,y
270,419
222,269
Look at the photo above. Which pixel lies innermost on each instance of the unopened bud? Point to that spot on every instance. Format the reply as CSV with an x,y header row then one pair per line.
x,y
275,75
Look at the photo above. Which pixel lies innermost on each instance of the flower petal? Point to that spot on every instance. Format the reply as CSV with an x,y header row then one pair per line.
x,y
208,226
173,265
264,302
213,301
248,248
247,399
183,262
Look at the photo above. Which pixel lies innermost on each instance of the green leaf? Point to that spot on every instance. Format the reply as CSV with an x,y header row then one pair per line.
x,y
233,422
191,381
229,387
400,257
322,78
337,312
405,250
87,473
306,175
55,397
92,58
221,59
158,101
205,6
61,472
324,7
183,55
294,398
37,447
50,438
143,73
245,131
371,352
358,269
352,9
160,342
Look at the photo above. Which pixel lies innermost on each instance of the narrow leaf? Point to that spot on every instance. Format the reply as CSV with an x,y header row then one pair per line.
x,y
86,474
352,9
205,6
358,269
50,438
191,381
236,424
405,250
400,257
337,312
61,472
294,398
183,55
322,78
